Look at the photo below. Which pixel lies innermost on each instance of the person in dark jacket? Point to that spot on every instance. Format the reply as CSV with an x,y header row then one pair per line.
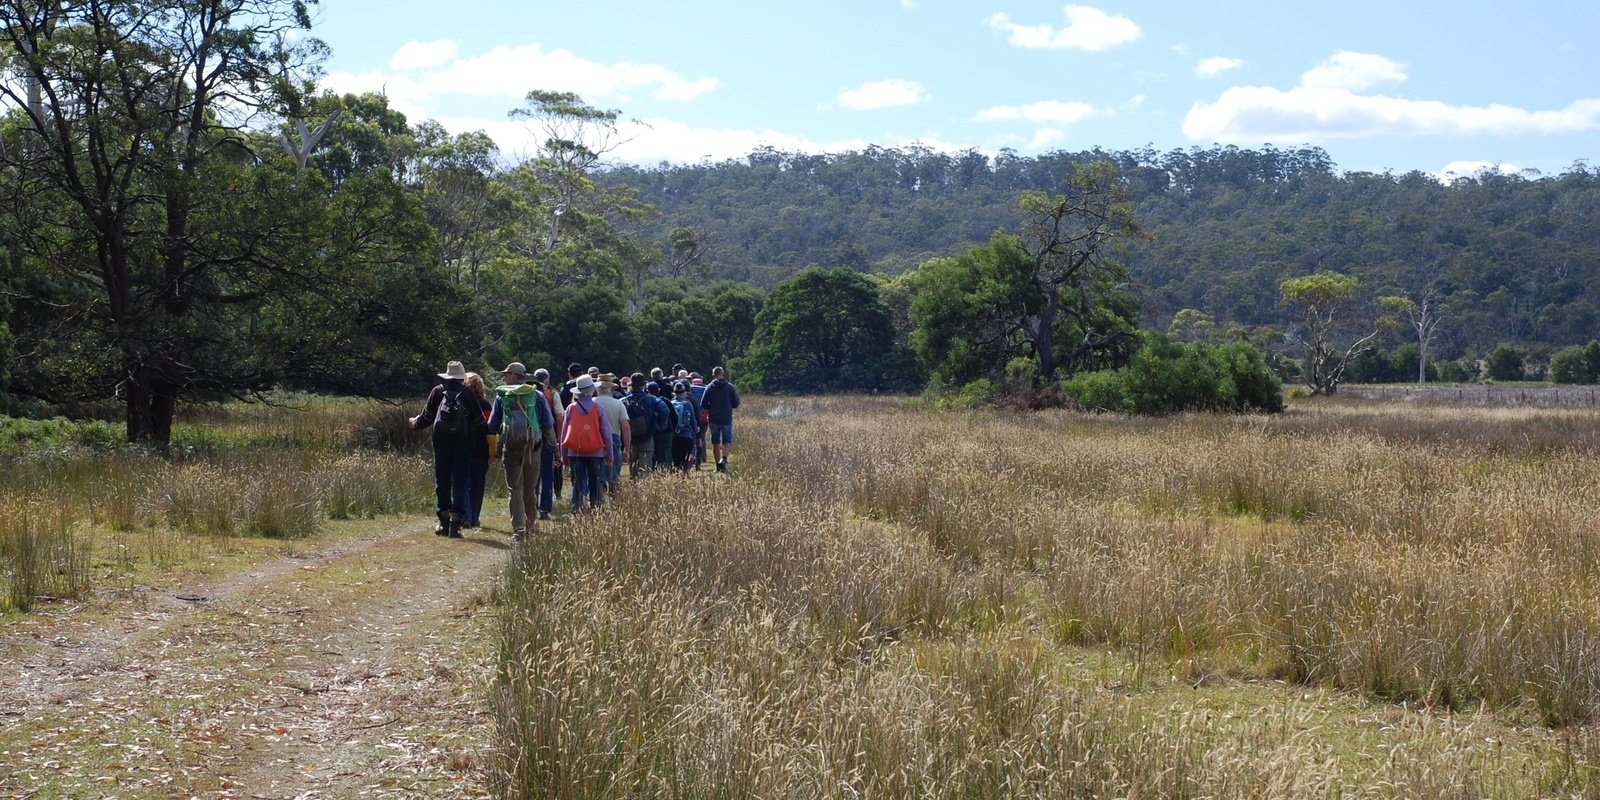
x,y
719,402
547,455
482,453
643,409
688,426
452,410
662,441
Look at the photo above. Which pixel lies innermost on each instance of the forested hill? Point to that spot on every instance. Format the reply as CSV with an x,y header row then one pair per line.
x,y
1517,257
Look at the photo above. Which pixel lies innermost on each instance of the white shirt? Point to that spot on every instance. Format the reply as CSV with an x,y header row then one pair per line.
x,y
616,413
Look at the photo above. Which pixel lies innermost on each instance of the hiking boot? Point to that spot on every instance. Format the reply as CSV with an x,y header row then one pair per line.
x,y
452,526
519,534
722,466
544,515
442,527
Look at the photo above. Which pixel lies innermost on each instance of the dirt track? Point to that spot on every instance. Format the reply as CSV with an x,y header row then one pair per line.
x,y
347,667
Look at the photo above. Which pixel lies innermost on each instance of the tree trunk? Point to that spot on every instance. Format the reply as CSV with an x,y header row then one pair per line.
x,y
150,409
1044,338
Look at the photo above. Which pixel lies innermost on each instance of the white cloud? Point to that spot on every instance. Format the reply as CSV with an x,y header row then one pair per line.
x,y
1046,112
1326,106
1259,113
684,91
1353,71
1216,65
424,72
1087,29
1468,169
1045,137
884,94
910,5
421,55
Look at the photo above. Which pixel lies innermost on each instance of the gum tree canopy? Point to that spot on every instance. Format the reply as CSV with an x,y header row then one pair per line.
x,y
169,245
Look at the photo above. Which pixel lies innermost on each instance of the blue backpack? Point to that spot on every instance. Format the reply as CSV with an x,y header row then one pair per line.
x,y
661,415
684,412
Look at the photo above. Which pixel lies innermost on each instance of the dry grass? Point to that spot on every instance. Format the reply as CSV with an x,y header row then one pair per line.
x,y
889,603
268,471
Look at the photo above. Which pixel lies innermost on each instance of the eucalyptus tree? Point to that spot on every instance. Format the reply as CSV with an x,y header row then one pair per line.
x,y
178,251
1326,304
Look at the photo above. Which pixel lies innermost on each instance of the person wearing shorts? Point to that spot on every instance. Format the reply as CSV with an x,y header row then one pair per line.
x,y
719,402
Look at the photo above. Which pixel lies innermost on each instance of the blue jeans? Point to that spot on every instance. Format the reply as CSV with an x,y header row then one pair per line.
x,y
588,477
452,479
614,472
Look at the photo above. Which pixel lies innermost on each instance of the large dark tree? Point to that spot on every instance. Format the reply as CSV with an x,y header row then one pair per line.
x,y
180,253
824,330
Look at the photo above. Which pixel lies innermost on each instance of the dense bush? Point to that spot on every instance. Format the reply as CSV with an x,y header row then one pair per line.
x,y
1167,377
1576,364
1384,366
1504,363
17,435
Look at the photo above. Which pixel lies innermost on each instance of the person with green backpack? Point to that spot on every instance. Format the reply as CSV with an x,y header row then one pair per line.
x,y
525,424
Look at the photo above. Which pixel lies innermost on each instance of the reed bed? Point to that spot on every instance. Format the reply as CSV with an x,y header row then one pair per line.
x,y
897,604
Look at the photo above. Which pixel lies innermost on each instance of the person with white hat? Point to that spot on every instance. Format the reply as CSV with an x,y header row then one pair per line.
x,y
586,444
456,418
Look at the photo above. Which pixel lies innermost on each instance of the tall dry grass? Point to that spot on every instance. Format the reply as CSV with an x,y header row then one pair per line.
x,y
887,603
72,497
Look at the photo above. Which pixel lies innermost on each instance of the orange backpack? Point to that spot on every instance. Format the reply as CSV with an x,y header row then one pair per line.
x,y
583,430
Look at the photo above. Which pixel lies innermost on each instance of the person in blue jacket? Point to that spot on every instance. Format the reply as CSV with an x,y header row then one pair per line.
x,y
719,402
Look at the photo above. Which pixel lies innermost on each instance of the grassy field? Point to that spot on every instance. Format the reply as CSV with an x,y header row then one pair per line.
x,y
1349,599
78,508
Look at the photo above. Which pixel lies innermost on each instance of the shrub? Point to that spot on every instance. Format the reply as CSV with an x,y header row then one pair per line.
x,y
1568,365
1504,363
1456,372
1167,377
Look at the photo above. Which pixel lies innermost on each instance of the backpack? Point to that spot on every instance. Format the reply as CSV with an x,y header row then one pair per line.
x,y
661,420
450,421
516,430
684,413
638,410
583,430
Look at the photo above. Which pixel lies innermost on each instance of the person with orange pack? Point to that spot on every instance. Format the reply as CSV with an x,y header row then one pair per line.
x,y
586,444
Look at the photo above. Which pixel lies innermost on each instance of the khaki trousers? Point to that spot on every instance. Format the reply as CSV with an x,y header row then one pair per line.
x,y
522,479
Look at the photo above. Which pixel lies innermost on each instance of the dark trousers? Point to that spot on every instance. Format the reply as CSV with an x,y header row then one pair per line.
x,y
682,446
452,479
588,477
480,474
664,449
547,479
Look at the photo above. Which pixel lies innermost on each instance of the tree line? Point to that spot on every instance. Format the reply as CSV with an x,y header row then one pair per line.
x,y
1505,258
188,216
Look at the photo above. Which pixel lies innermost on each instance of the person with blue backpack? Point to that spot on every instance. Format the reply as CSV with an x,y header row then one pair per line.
x,y
645,410
663,422
527,429
452,410
686,426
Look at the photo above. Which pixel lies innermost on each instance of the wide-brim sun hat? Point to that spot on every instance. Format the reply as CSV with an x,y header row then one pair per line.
x,y
454,371
583,385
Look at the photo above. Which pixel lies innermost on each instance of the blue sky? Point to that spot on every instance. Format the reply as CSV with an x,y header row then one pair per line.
x,y
1395,85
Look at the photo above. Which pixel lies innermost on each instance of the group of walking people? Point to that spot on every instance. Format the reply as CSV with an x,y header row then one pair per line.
x,y
581,433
